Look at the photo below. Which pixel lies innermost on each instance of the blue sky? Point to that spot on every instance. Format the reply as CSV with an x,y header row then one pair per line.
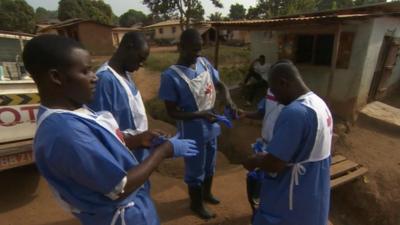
x,y
121,6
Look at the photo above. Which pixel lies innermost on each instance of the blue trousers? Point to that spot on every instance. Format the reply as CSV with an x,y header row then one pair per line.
x,y
201,166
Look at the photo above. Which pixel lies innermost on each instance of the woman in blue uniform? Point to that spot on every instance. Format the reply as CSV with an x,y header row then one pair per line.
x,y
82,154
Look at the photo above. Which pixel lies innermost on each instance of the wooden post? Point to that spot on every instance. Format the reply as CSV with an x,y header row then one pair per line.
x,y
216,53
335,52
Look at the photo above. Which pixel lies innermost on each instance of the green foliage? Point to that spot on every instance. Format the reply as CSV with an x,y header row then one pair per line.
x,y
95,10
186,10
132,17
43,15
196,12
228,57
16,15
365,2
217,16
237,12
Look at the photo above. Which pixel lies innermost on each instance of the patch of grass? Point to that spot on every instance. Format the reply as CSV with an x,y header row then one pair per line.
x,y
232,75
160,61
228,56
156,108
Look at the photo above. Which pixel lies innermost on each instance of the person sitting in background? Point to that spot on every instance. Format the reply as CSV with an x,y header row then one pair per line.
x,y
258,71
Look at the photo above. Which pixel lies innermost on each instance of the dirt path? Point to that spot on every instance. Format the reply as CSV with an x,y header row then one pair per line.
x,y
25,199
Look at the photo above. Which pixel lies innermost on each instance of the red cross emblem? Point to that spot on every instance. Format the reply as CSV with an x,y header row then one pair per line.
x,y
120,135
209,89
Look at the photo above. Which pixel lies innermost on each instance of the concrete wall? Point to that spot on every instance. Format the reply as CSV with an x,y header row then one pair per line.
x,y
167,32
380,27
350,86
96,38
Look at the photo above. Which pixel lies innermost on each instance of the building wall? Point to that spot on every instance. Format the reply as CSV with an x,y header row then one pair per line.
x,y
96,38
346,81
168,33
381,27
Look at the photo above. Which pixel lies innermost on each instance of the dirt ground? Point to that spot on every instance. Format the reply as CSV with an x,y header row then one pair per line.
x,y
25,198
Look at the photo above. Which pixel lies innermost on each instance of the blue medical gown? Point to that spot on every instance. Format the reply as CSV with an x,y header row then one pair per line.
x,y
293,140
111,96
83,162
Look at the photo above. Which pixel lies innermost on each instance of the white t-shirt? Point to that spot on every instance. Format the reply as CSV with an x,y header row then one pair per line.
x,y
262,69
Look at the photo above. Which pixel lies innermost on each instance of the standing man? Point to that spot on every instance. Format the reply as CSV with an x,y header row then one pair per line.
x,y
117,93
299,153
189,91
82,154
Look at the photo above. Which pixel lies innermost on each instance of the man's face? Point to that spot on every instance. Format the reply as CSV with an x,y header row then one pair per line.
x,y
261,60
191,51
78,80
135,58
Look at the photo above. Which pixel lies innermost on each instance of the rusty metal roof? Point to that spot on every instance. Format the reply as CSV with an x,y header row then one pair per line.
x,y
380,9
72,22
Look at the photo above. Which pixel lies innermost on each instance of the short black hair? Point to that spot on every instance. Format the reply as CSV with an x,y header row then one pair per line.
x,y
132,39
188,36
285,68
262,56
46,52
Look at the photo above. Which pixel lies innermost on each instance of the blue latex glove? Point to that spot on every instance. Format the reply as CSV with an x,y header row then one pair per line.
x,y
224,120
155,142
183,147
230,114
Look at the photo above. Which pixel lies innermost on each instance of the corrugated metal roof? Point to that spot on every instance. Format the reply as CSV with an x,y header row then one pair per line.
x,y
125,29
71,22
11,34
380,9
297,20
172,23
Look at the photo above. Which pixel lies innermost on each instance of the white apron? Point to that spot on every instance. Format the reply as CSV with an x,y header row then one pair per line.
x,y
323,139
202,87
136,105
272,111
106,120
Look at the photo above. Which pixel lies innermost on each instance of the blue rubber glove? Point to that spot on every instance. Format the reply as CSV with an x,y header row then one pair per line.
x,y
183,147
230,114
155,142
224,120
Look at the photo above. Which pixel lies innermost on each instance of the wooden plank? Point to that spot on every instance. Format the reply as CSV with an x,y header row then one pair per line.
x,y
342,167
337,159
348,177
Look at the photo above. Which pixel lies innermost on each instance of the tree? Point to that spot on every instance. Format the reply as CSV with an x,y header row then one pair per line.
x,y
131,17
237,12
365,2
217,16
253,13
187,10
334,4
16,15
95,10
43,15
298,6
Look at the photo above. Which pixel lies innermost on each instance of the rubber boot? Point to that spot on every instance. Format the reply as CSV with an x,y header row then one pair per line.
x,y
253,193
196,203
208,196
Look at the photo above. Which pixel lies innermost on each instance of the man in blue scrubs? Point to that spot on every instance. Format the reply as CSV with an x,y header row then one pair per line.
x,y
299,153
82,154
117,93
189,92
